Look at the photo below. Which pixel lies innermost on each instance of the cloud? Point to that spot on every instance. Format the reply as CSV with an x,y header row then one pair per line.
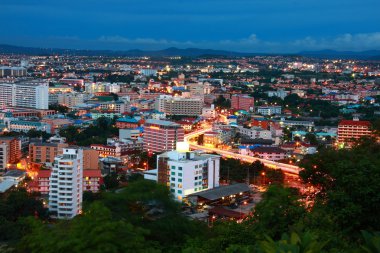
x,y
348,41
356,42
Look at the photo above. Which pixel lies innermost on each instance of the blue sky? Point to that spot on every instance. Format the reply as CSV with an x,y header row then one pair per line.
x,y
241,25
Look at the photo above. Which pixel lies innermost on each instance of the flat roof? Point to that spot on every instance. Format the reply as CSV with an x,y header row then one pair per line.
x,y
222,191
5,185
14,173
161,122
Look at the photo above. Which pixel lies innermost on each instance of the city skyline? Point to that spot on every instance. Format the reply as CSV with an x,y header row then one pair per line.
x,y
261,26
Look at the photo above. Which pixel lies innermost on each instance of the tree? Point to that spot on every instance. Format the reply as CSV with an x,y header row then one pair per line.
x,y
111,181
311,138
279,210
59,108
222,102
95,231
347,185
295,243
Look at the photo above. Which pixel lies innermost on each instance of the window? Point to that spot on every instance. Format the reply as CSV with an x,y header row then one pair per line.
x,y
172,179
173,167
196,178
179,191
172,190
173,173
196,189
179,168
180,180
179,186
180,174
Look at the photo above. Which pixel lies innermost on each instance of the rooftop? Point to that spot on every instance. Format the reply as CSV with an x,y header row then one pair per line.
x,y
354,123
161,122
222,191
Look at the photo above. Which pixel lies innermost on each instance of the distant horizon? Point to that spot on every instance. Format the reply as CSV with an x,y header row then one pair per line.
x,y
192,48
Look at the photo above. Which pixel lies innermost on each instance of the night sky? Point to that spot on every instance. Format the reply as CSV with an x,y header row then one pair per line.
x,y
272,26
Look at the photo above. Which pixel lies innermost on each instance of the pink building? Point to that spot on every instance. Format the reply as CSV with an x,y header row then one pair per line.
x,y
160,135
242,102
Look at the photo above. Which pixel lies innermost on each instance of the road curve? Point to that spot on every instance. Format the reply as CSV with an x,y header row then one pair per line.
x,y
287,168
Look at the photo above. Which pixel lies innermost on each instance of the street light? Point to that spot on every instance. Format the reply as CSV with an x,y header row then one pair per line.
x,y
263,174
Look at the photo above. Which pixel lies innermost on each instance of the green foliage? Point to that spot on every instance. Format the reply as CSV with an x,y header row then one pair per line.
x,y
371,242
97,133
279,210
111,181
33,133
59,108
95,231
295,243
347,183
222,102
13,207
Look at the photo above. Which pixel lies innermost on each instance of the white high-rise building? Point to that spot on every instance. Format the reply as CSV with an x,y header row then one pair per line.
x,y
25,94
66,180
186,172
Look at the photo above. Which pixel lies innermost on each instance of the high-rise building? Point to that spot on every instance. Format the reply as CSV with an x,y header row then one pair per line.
x,y
242,102
160,135
25,94
14,148
187,172
66,184
351,130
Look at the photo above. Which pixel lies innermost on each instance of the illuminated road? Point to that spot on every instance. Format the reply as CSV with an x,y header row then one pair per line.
x,y
287,168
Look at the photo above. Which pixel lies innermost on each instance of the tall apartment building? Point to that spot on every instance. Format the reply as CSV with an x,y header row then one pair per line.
x,y
25,94
242,102
350,130
160,135
180,106
66,184
187,172
14,148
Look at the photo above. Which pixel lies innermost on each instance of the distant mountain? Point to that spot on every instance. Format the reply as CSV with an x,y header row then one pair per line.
x,y
172,51
329,54
189,52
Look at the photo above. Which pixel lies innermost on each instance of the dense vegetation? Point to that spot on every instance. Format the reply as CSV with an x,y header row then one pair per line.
x,y
96,133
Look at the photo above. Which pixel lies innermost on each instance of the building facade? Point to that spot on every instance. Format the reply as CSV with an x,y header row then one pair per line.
x,y
242,102
160,135
351,130
25,94
187,172
66,184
